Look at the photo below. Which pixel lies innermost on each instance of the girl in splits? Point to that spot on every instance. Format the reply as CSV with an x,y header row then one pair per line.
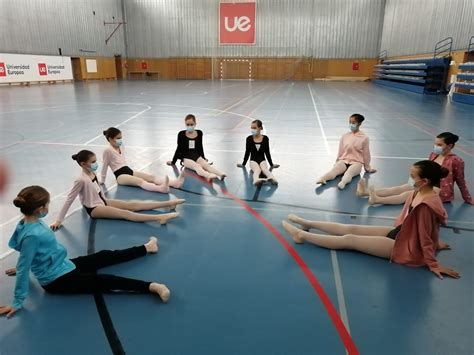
x,y
257,147
191,152
413,242
97,206
443,155
114,157
41,253
354,153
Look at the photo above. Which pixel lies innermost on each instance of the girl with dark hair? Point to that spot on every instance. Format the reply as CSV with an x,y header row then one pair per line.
x,y
353,154
191,152
441,154
257,147
47,259
114,157
415,238
97,206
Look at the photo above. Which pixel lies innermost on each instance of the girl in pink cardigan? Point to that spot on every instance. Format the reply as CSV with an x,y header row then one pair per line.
x,y
353,154
114,157
97,206
415,238
443,155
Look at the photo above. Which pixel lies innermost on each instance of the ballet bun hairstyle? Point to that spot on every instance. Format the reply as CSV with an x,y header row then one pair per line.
x,y
448,138
432,171
111,133
258,123
190,117
31,198
83,156
358,117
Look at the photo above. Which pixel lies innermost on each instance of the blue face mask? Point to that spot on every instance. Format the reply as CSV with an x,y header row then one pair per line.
x,y
354,127
254,132
437,149
190,129
94,167
43,214
119,142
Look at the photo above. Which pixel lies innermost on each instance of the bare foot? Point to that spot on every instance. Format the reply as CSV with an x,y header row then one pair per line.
x,y
293,231
341,185
152,246
321,181
163,218
362,188
161,290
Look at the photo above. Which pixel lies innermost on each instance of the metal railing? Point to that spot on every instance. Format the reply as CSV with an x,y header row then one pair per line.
x,y
470,46
443,48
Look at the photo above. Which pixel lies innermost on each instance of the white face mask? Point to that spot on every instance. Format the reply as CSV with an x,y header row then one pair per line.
x,y
190,129
94,167
437,149
119,142
413,183
354,127
254,132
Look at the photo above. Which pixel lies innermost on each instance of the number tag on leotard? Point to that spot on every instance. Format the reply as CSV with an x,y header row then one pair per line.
x,y
258,147
192,144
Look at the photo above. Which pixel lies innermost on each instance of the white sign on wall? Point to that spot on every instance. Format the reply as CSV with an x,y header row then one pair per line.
x,y
16,68
91,65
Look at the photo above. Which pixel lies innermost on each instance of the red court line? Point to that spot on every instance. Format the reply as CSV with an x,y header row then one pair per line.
x,y
331,310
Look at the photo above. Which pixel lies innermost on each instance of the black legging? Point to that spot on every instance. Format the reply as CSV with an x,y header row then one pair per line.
x,y
84,278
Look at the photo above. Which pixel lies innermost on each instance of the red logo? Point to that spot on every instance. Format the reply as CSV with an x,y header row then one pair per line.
x,y
355,66
3,72
42,69
144,65
237,23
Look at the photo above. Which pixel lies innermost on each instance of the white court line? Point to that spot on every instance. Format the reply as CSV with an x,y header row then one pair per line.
x,y
16,218
59,195
71,105
340,291
122,123
303,208
326,144
188,84
226,109
251,95
11,251
335,265
255,109
210,109
210,150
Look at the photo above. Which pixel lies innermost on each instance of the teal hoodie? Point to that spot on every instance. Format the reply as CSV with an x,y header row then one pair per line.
x,y
41,253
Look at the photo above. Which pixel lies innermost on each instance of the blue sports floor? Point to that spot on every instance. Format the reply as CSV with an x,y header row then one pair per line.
x,y
239,285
